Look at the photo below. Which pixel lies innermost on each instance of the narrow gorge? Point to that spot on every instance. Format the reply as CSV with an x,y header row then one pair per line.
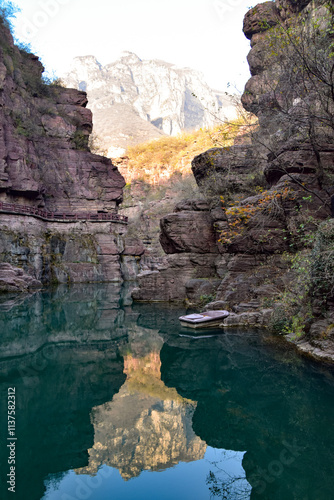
x,y
262,219
107,388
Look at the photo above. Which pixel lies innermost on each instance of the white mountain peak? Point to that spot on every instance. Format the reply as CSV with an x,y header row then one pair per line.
x,y
131,56
135,100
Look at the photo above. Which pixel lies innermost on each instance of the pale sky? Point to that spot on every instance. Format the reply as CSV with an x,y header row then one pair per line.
x,y
201,34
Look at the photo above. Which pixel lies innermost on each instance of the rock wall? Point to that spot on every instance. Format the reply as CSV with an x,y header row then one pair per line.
x,y
44,129
189,240
45,162
267,196
69,252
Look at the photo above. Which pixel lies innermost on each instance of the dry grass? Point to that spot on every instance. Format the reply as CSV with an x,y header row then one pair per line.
x,y
157,161
158,176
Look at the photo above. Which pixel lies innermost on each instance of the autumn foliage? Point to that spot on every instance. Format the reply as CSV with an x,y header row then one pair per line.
x,y
157,161
268,203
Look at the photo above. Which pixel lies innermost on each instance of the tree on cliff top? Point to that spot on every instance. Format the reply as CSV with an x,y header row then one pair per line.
x,y
8,10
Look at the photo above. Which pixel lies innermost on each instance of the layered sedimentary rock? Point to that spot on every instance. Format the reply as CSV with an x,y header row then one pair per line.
x,y
187,231
14,279
44,131
45,162
189,240
69,252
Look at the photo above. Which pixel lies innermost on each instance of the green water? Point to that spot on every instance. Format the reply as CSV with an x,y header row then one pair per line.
x,y
117,402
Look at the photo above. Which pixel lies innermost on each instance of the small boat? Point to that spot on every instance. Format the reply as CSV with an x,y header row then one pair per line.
x,y
207,319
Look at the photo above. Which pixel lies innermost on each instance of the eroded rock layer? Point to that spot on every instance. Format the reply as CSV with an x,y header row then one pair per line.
x,y
45,162
44,129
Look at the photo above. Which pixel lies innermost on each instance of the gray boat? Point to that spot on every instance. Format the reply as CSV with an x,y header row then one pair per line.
x,y
207,319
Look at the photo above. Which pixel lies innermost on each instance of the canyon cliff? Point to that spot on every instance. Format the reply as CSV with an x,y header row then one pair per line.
x,y
262,245
56,197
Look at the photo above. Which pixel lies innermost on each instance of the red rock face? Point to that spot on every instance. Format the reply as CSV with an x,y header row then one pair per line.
x,y
44,156
188,231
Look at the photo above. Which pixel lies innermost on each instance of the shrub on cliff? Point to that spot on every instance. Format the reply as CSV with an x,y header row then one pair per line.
x,y
292,92
322,265
309,285
7,12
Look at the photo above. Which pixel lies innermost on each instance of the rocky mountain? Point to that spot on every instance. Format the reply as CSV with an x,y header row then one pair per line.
x,y
135,100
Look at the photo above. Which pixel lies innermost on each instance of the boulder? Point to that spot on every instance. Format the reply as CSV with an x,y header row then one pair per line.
x,y
216,162
133,246
257,319
260,18
217,305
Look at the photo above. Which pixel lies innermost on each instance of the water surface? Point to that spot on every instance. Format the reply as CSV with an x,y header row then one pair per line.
x,y
118,402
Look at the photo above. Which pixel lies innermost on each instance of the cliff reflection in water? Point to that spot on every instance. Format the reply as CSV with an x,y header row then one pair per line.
x,y
257,396
68,362
88,388
101,385
147,426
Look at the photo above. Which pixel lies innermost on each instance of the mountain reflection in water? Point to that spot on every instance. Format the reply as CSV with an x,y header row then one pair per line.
x,y
113,403
146,426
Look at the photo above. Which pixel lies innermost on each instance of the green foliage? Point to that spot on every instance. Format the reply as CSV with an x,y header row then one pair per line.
x,y
293,309
25,126
322,263
206,299
35,84
8,11
80,140
310,282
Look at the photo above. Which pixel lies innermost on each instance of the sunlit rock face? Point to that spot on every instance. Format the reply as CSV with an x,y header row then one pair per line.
x,y
147,426
134,100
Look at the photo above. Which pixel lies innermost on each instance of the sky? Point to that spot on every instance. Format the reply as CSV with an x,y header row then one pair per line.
x,y
205,35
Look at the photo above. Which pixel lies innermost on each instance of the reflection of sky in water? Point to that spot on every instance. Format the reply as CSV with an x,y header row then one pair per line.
x,y
183,481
